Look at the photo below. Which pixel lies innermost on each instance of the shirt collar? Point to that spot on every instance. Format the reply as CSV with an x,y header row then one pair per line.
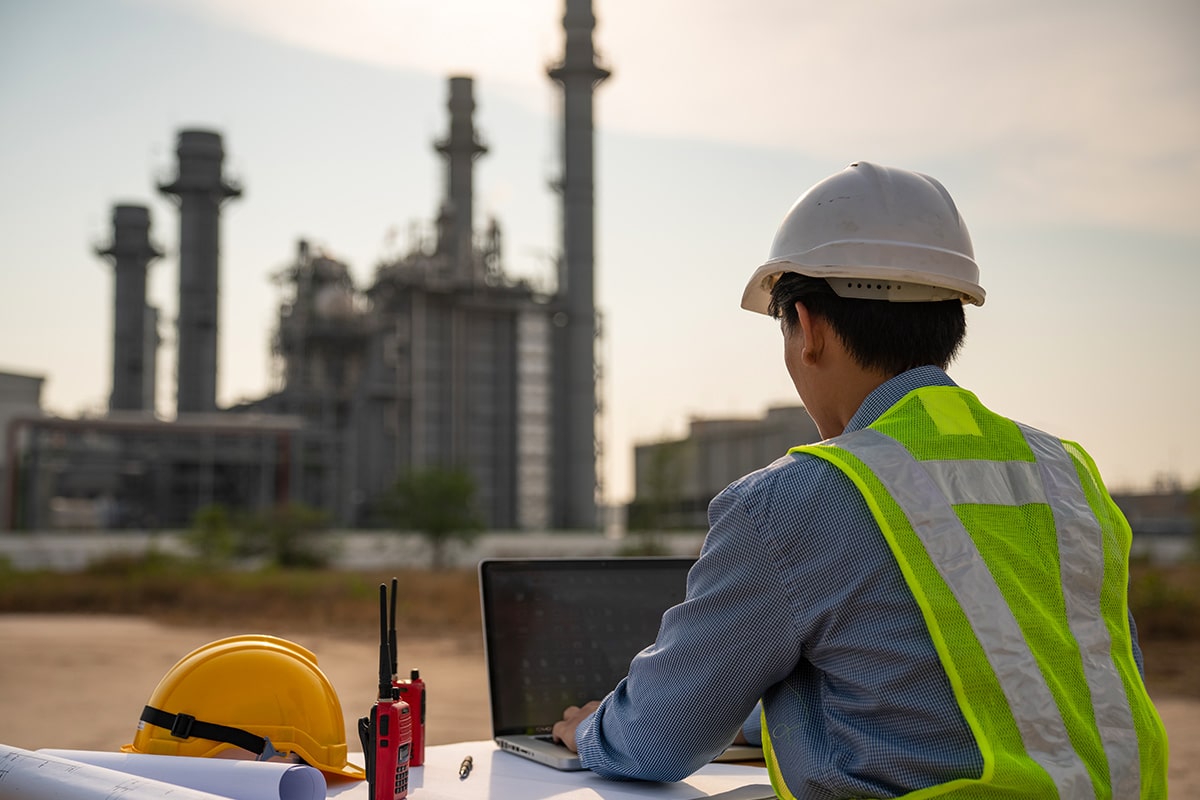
x,y
888,393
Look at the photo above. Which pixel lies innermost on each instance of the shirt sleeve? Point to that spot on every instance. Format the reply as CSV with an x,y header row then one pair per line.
x,y
687,695
752,727
1137,648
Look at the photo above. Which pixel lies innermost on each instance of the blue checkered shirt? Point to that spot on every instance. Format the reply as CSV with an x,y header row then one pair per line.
x,y
796,600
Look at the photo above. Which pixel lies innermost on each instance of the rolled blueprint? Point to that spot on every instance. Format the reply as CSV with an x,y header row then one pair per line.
x,y
37,776
240,780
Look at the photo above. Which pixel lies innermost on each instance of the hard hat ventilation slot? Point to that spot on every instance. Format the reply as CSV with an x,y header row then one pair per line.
x,y
877,286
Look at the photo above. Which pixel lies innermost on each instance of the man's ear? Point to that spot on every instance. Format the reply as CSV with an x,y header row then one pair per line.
x,y
815,330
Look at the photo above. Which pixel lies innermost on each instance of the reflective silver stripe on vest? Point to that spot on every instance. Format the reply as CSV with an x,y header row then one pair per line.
x,y
997,483
1081,544
957,560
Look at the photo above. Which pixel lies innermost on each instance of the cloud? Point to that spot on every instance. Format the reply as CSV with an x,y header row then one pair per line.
x,y
1079,112
1084,113
507,42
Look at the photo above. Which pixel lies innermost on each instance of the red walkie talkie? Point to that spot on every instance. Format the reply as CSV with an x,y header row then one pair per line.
x,y
412,691
386,734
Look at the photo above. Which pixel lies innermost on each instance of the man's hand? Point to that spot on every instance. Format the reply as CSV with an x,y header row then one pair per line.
x,y
564,730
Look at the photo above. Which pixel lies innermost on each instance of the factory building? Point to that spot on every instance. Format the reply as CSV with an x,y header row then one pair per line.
x,y
444,360
674,480
20,398
134,471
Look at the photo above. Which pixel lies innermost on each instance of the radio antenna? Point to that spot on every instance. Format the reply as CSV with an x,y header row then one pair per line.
x,y
385,659
392,631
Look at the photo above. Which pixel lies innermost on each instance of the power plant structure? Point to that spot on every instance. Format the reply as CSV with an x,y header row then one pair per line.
x,y
444,360
576,447
135,324
200,189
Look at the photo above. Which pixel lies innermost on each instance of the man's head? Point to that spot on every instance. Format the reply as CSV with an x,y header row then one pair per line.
x,y
882,255
880,336
868,275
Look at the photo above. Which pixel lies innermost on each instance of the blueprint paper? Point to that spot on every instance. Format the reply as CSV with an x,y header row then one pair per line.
x,y
237,779
30,775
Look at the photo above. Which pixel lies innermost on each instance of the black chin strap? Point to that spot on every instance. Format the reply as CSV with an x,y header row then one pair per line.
x,y
185,726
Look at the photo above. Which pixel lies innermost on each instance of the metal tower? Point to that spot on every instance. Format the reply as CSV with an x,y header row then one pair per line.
x,y
131,253
200,190
461,147
575,325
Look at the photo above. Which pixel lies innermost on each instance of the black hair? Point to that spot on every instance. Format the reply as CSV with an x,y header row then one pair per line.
x,y
878,334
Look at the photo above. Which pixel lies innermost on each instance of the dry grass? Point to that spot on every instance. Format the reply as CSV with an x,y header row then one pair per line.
x,y
1165,601
327,601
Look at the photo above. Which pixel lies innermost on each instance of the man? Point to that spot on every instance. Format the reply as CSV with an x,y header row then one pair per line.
x,y
934,596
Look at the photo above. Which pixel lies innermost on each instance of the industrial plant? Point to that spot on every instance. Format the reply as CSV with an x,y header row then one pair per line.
x,y
444,360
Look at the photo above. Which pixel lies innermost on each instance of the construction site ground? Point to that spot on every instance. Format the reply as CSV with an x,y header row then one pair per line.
x,y
79,682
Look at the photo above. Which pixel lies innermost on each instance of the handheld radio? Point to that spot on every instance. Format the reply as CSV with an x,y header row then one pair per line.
x,y
412,691
386,734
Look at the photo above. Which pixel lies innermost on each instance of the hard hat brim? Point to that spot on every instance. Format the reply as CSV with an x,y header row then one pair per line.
x,y
908,285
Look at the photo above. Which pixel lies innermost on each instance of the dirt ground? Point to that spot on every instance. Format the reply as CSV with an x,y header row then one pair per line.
x,y
79,682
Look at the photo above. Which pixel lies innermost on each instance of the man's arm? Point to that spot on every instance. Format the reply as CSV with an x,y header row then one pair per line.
x,y
687,696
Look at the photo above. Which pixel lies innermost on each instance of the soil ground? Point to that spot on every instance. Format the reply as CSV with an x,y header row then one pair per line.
x,y
79,682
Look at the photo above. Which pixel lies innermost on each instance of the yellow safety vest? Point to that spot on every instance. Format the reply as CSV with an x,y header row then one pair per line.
x,y
1019,564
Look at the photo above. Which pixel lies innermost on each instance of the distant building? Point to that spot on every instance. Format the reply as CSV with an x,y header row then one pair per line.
x,y
426,368
674,481
1161,513
134,471
20,396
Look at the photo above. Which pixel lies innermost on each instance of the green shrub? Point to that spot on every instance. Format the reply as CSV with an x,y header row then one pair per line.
x,y
212,537
289,536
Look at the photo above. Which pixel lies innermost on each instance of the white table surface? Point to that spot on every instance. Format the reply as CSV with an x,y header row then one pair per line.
x,y
504,776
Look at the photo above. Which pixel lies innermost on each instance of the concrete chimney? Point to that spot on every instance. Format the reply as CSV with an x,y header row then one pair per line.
x,y
200,190
134,338
575,323
461,147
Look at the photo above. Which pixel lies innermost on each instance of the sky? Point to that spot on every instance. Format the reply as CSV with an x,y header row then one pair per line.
x,y
1067,132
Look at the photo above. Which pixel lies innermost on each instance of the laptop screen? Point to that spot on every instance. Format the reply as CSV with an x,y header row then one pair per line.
x,y
560,632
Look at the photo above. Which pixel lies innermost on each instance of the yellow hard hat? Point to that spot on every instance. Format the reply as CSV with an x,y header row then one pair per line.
x,y
261,693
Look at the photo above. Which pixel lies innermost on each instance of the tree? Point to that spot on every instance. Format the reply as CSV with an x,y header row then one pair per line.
x,y
212,536
289,535
437,503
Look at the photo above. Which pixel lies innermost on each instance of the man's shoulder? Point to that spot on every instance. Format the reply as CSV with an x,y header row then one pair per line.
x,y
794,474
800,510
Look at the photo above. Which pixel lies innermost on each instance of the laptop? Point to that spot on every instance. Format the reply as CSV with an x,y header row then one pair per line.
x,y
559,632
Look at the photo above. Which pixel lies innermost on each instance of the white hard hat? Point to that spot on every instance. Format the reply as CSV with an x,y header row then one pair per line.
x,y
877,233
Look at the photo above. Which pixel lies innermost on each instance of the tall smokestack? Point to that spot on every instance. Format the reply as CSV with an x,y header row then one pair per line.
x,y
461,147
132,365
575,325
200,190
